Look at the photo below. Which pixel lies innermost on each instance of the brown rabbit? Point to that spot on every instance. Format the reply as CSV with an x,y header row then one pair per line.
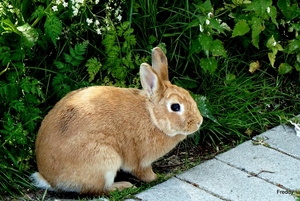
x,y
93,132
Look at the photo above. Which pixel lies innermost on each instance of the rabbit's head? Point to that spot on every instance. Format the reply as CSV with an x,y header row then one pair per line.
x,y
172,108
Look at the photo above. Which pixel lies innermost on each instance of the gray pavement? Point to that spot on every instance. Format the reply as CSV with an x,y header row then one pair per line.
x,y
267,168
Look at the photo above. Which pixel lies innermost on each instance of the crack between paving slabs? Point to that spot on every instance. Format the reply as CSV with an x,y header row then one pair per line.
x,y
252,174
197,186
136,199
265,144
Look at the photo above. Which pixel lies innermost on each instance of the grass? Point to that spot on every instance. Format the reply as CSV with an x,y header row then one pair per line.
x,y
247,105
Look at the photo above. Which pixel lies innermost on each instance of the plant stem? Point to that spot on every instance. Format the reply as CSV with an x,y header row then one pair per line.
x,y
39,18
4,69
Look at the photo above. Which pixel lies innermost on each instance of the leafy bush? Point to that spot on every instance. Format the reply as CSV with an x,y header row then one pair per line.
x,y
48,48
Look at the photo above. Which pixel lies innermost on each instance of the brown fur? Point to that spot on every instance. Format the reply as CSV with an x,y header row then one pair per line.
x,y
93,132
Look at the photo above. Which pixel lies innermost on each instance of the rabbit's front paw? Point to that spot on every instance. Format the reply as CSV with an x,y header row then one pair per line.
x,y
145,174
121,185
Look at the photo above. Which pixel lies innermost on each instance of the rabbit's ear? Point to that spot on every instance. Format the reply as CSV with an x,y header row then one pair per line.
x,y
160,63
151,82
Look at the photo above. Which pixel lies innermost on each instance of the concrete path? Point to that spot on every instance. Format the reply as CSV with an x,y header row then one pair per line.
x,y
265,169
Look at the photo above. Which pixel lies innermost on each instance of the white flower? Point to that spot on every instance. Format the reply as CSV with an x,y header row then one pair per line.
x,y
54,8
117,12
10,6
75,11
207,21
96,1
89,21
201,28
274,43
119,17
268,10
65,4
97,22
98,31
210,14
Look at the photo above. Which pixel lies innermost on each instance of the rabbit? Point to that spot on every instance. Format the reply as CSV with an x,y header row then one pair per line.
x,y
95,131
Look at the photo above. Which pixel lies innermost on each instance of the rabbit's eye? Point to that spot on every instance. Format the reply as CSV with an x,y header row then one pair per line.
x,y
175,107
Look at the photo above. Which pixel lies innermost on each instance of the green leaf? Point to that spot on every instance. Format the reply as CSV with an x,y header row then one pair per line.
x,y
297,66
259,7
61,85
53,28
38,13
272,58
17,105
216,25
80,48
205,7
5,55
203,108
76,54
296,26
93,67
9,27
59,65
257,27
237,2
271,42
152,39
217,48
209,64
240,29
119,72
194,23
298,57
254,66
75,62
288,10
72,52
68,58
205,42
195,47
294,46
230,79
273,45
284,68
273,15
29,35
18,55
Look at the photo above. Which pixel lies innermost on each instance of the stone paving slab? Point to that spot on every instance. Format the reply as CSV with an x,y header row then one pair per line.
x,y
256,158
175,189
283,138
231,183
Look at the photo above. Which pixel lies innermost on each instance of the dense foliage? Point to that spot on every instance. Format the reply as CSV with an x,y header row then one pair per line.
x,y
239,58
